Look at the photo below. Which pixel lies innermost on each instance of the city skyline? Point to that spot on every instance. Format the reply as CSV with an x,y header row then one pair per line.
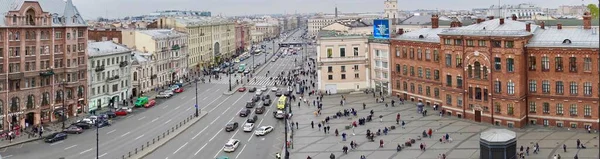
x,y
90,10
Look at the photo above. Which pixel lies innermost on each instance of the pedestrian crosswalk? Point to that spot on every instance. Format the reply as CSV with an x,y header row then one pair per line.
x,y
261,81
223,80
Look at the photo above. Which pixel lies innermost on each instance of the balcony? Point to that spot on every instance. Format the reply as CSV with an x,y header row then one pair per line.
x,y
344,59
72,84
123,63
175,47
113,78
99,68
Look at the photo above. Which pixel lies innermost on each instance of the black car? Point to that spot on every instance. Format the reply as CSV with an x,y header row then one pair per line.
x,y
252,119
109,114
287,93
259,109
267,96
253,89
245,112
82,125
231,126
250,104
278,94
56,137
267,102
103,123
255,99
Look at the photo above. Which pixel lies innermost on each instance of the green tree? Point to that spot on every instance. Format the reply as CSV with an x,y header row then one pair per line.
x,y
593,9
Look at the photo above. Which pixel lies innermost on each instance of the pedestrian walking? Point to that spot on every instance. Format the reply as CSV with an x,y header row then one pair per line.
x,y
312,124
296,125
565,147
380,118
319,126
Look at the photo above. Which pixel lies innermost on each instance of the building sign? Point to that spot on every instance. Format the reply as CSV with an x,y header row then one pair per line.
x,y
381,28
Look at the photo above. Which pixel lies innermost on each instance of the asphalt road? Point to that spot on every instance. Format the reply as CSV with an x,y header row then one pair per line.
x,y
207,137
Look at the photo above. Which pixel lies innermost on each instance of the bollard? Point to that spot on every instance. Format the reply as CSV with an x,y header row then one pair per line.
x,y
123,156
142,147
152,141
129,153
163,136
172,129
168,132
135,150
147,143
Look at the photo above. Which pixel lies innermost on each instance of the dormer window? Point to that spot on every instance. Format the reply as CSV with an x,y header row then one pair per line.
x,y
30,17
566,41
14,19
74,19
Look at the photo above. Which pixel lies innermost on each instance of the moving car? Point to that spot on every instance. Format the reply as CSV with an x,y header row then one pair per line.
x,y
267,102
242,89
108,115
250,104
164,95
279,114
141,101
252,119
103,123
121,112
273,60
253,89
258,92
151,103
263,88
274,89
231,126
129,110
55,137
265,97
259,110
248,127
279,93
245,112
231,145
263,130
73,130
255,99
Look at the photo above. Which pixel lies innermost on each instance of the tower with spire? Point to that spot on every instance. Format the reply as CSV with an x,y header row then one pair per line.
x,y
391,10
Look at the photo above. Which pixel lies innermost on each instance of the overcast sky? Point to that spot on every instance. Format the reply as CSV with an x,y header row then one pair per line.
x,y
92,9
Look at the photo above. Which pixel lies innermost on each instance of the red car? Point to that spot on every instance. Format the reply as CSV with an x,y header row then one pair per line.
x,y
242,89
178,90
150,103
121,112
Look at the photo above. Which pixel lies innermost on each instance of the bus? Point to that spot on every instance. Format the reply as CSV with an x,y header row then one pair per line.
x,y
242,68
281,103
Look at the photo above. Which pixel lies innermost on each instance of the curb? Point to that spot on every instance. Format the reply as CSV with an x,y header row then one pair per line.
x,y
165,140
22,142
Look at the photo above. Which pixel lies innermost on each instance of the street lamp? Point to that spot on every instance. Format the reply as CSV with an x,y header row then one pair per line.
x,y
139,79
64,115
229,74
196,80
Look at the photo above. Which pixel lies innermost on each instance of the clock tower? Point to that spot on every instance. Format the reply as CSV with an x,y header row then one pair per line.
x,y
391,10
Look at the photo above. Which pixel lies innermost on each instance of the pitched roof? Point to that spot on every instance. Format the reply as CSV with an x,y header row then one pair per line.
x,y
552,37
492,27
105,48
424,35
58,9
161,33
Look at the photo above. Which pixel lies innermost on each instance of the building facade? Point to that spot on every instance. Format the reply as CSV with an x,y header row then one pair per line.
x,y
109,75
379,55
144,75
242,37
342,63
502,71
105,35
269,30
169,54
43,72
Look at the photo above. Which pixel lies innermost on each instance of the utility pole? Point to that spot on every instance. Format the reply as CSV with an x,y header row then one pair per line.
x,y
64,117
196,81
228,74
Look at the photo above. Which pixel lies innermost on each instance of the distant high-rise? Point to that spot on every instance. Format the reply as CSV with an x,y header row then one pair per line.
x,y
336,12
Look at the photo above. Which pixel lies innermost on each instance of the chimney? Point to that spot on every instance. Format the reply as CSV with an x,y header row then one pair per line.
x,y
491,17
514,17
558,26
528,27
587,20
435,21
501,21
479,20
543,25
400,31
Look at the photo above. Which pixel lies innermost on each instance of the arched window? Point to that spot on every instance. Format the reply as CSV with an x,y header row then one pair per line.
x,y
30,101
485,72
14,104
134,76
470,71
45,99
14,19
59,96
477,71
30,17
69,93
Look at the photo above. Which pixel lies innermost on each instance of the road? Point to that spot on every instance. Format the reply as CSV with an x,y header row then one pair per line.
x,y
207,138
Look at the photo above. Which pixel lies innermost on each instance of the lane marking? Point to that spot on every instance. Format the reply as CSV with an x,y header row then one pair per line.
x,y
204,98
8,156
111,131
177,107
168,121
238,155
225,111
56,143
267,112
142,118
180,148
125,134
200,149
70,147
139,137
188,109
85,151
153,120
129,116
102,155
214,137
183,97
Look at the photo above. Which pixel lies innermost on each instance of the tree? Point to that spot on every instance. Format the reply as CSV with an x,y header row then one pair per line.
x,y
593,9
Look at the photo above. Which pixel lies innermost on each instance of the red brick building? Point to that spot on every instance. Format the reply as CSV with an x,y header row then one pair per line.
x,y
43,62
99,35
502,71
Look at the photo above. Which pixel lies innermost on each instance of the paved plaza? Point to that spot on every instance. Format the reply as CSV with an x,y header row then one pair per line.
x,y
465,133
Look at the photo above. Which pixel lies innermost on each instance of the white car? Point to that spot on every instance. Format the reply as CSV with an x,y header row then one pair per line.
x,y
263,88
248,127
273,60
127,109
163,95
274,89
263,130
88,120
231,145
258,92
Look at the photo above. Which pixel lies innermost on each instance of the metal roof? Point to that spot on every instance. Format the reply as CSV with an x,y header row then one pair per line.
x,y
498,135
491,28
105,48
139,57
162,33
424,35
203,21
57,8
552,37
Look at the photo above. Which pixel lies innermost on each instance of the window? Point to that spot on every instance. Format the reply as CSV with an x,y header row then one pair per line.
x,y
546,107
573,88
532,107
420,72
420,89
558,64
343,76
510,87
355,68
587,110
404,54
447,41
412,87
412,71
427,54
404,70
343,68
436,92
356,75
545,86
459,81
355,51
470,43
459,101
509,44
436,56
58,35
510,109
497,86
448,60
559,108
436,75
448,99
559,87
427,89
496,43
449,80
458,42
532,63
510,65
419,54
587,64
573,109
497,108
485,72
497,63
546,122
427,74
458,60
330,77
412,53
482,43
329,69
398,68
397,52
405,86
587,88
572,64
532,86
329,52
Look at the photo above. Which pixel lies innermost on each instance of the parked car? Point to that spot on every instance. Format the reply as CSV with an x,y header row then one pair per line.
x,y
250,104
163,95
108,115
259,110
56,137
73,130
82,125
242,89
253,89
266,96
267,102
231,126
129,110
274,89
150,103
121,112
103,123
252,119
178,90
264,88
258,92
245,112
255,99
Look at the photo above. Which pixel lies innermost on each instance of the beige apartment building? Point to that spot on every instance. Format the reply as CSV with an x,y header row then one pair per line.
x,y
342,61
379,59
211,40
269,30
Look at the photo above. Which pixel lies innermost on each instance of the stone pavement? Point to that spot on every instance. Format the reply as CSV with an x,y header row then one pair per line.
x,y
465,133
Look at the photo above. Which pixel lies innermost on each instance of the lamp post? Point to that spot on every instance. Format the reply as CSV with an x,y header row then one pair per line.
x,y
285,118
97,142
196,81
229,74
64,115
139,79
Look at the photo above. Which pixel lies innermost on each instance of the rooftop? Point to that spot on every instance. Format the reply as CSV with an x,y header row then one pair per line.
x,y
333,34
353,23
139,57
203,21
553,37
57,8
492,27
105,48
424,35
498,135
162,33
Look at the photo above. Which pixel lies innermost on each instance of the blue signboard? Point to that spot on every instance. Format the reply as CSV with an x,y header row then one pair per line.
x,y
381,28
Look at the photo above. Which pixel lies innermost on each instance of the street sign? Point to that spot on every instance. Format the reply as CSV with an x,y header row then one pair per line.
x,y
196,105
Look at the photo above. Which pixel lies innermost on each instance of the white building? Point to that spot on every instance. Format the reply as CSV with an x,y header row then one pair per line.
x,y
143,67
109,74
523,10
